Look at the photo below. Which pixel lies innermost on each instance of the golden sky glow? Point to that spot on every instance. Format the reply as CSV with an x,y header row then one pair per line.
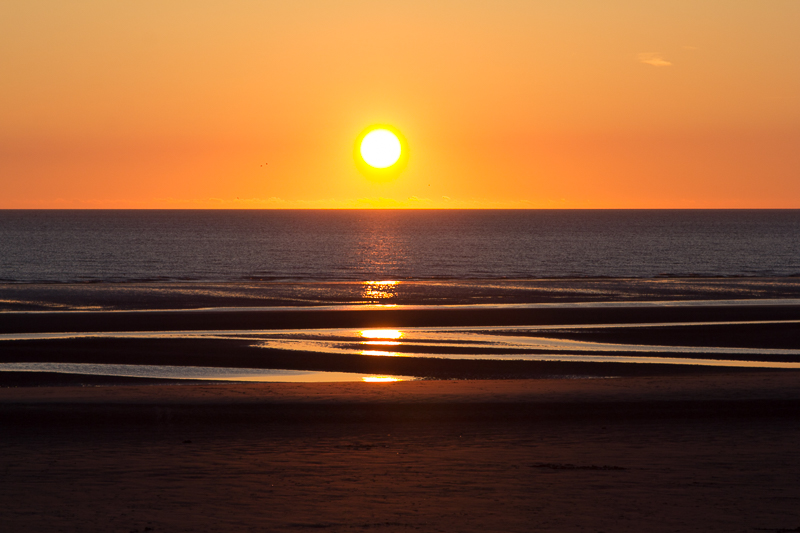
x,y
518,104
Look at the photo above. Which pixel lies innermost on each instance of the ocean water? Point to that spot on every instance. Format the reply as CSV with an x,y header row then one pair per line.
x,y
113,246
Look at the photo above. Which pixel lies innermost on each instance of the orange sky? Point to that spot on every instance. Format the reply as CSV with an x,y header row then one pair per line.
x,y
517,104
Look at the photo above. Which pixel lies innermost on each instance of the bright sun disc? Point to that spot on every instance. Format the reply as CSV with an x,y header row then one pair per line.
x,y
380,148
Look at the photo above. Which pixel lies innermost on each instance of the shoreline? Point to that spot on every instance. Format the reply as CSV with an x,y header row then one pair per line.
x,y
161,295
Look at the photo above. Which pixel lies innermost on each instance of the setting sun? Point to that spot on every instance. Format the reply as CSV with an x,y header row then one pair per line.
x,y
380,148
381,153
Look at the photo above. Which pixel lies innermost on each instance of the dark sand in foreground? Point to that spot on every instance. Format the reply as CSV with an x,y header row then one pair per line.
x,y
691,453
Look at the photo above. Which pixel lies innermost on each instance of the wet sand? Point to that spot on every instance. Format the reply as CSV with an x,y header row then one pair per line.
x,y
691,453
243,353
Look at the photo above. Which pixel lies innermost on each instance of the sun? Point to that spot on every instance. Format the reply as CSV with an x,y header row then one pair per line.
x,y
381,152
380,148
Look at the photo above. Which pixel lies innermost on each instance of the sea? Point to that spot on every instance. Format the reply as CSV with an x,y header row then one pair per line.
x,y
95,246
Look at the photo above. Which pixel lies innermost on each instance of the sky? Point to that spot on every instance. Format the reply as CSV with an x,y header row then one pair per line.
x,y
502,104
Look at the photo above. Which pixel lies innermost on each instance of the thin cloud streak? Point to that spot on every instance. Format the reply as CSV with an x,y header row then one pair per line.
x,y
650,58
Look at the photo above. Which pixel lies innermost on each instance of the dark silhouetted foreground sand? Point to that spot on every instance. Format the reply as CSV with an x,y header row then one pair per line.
x,y
675,453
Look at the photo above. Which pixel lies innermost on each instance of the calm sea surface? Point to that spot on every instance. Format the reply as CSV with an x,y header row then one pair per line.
x,y
68,246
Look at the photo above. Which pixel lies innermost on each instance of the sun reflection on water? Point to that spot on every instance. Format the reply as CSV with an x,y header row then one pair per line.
x,y
379,353
381,333
380,379
379,290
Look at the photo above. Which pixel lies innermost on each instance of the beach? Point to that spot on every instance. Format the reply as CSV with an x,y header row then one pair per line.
x,y
709,453
481,444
